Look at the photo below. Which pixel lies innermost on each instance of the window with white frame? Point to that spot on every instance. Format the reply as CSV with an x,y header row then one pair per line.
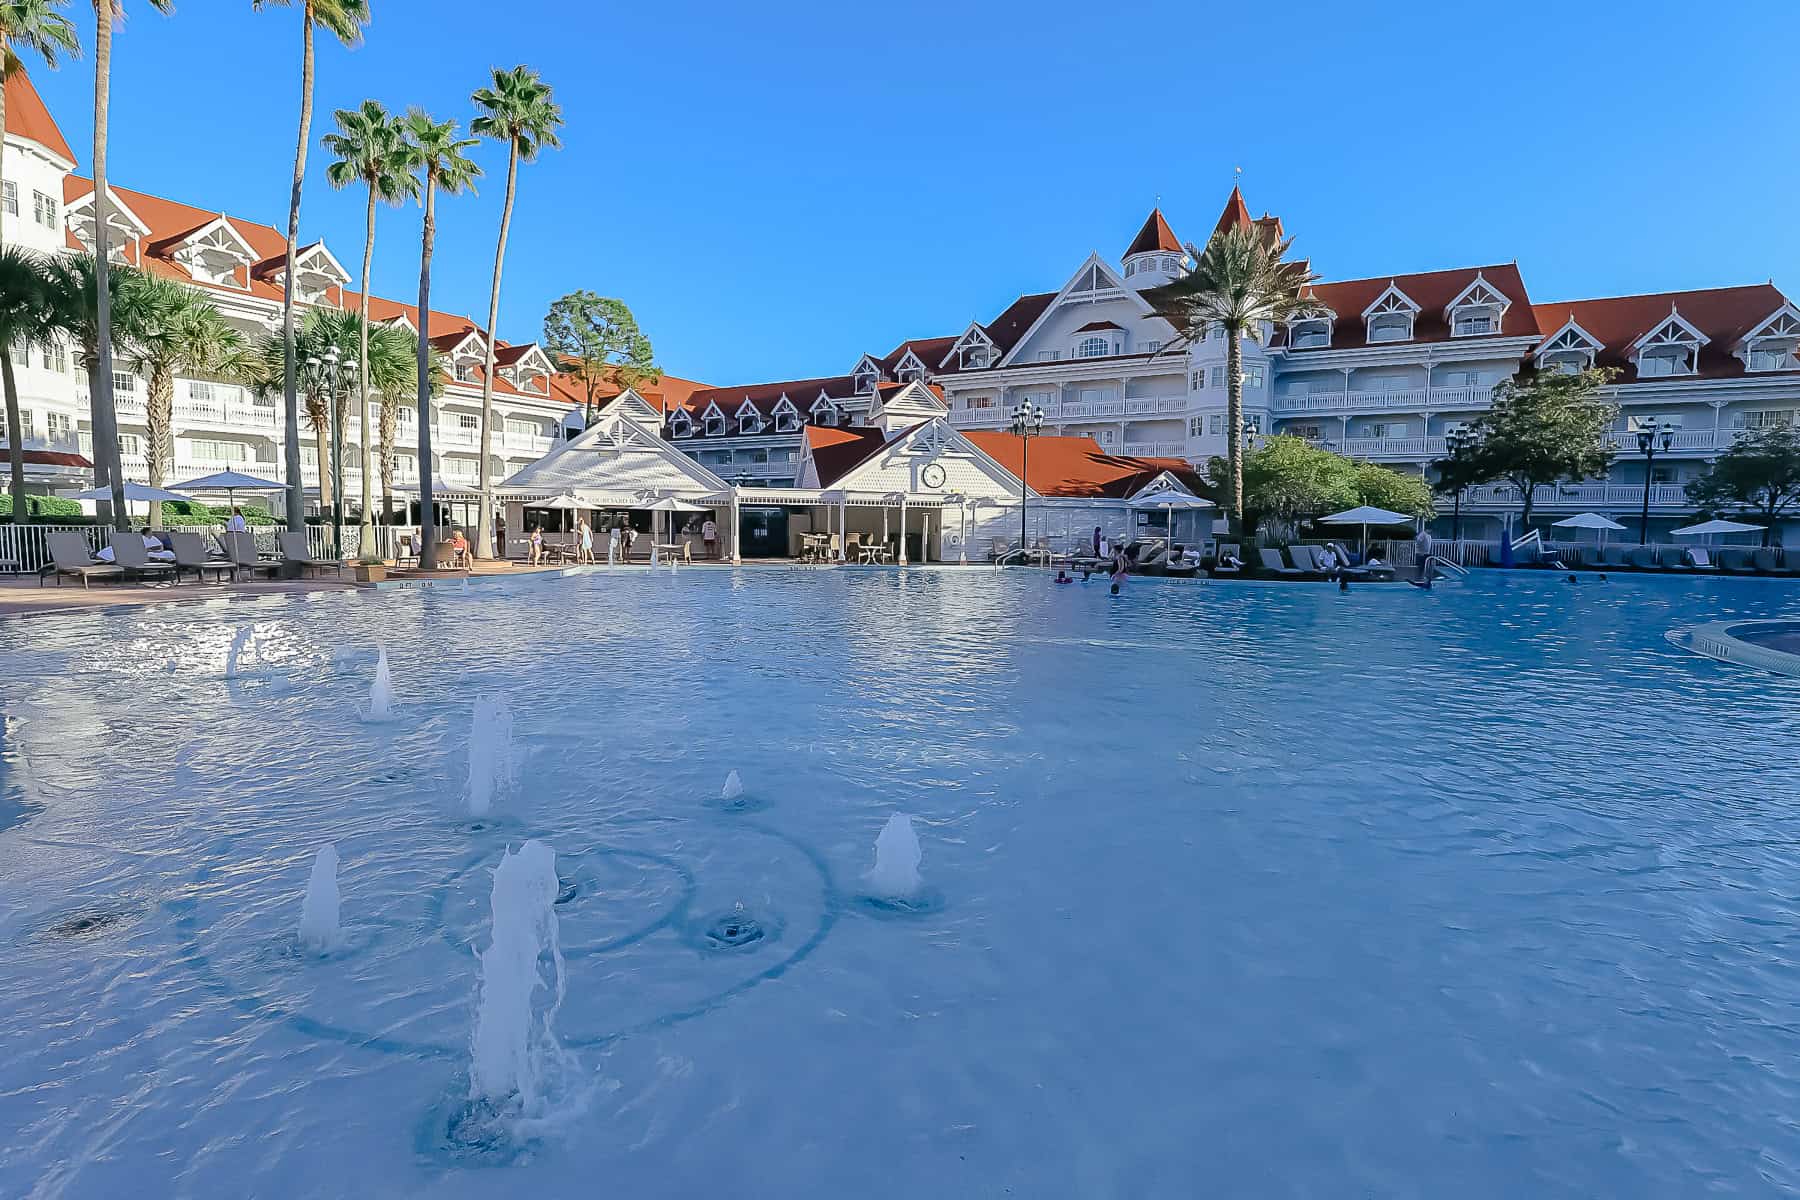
x,y
1196,426
1253,422
21,353
680,426
1253,377
1049,355
1637,421
1311,433
213,451
749,422
1196,380
715,425
1474,321
910,373
55,357
1106,437
786,422
1215,424
11,201
131,446
1672,348
1460,379
1478,310
1775,346
1385,429
214,393
977,355
1150,347
824,413
24,426
1665,475
44,209
1218,377
1768,418
468,421
1390,327
124,383
864,380
59,426
980,402
1313,333
1092,347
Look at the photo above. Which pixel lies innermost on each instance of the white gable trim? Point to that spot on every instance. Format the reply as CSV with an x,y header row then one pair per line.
x,y
711,411
1787,316
537,359
1068,295
971,337
401,320
629,403
460,350
220,224
1164,482
1681,322
1392,299
1571,326
1005,482
118,209
1473,295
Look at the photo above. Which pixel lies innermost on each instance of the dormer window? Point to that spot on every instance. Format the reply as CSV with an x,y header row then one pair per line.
x,y
750,422
1092,347
824,412
1477,310
1390,318
715,425
978,357
1312,333
680,425
1775,344
1671,349
909,374
465,370
1568,351
787,417
864,380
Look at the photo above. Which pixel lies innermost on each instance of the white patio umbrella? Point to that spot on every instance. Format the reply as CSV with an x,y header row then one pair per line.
x,y
1366,516
670,505
565,502
1707,529
231,482
1594,521
1171,502
141,493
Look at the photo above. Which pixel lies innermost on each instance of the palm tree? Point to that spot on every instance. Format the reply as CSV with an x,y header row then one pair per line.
x,y
371,149
517,110
105,419
344,20
24,318
437,154
37,25
74,310
182,334
394,354
1240,282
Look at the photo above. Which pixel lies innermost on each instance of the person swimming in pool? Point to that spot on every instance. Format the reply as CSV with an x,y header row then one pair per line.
x,y
1063,576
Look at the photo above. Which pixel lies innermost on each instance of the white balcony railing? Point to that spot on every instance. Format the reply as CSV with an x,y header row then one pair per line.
x,y
998,416
1685,439
1391,447
1155,449
1579,495
1435,399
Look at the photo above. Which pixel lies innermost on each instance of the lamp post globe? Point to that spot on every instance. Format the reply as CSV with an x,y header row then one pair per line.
x,y
1027,423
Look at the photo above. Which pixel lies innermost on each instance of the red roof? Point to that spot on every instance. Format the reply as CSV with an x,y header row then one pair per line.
x,y
27,117
1724,315
1076,466
1093,326
1155,235
52,458
1432,291
836,451
1236,214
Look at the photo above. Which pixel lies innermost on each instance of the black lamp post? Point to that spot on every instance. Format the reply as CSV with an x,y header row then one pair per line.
x,y
1651,439
1027,423
1459,442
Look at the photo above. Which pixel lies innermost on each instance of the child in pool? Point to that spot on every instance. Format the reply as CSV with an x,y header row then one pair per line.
x,y
1063,576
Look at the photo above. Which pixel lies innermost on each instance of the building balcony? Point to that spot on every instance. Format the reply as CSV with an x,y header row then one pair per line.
x,y
1154,449
998,416
1608,496
1437,399
1393,447
534,444
1703,440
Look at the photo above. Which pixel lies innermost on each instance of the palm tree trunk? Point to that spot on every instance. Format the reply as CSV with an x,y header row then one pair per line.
x,y
1234,420
296,484
390,417
103,416
484,528
366,527
159,431
427,239
320,417
15,440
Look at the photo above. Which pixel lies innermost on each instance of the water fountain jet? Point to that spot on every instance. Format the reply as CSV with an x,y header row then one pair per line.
x,y
733,789
319,926
513,1044
895,875
491,757
381,692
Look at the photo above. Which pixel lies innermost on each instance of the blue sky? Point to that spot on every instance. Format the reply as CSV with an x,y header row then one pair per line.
x,y
775,189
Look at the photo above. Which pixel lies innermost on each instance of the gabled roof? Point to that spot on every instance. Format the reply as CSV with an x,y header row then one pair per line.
x,y
1236,214
1155,235
26,117
1093,268
1392,299
836,451
166,246
1076,466
1722,315
925,351
1432,291
765,397
1096,326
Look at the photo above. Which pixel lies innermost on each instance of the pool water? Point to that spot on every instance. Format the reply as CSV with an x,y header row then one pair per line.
x,y
1231,890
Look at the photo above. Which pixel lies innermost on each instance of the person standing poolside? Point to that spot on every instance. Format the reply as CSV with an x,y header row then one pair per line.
x,y
537,546
586,553
612,544
709,537
237,524
1096,541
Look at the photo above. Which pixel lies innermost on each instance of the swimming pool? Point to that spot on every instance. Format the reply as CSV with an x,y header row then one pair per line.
x,y
1232,889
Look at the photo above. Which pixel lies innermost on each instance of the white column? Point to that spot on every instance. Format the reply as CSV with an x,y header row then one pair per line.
x,y
736,529
843,529
963,539
901,557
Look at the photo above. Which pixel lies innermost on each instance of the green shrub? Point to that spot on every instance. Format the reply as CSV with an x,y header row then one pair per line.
x,y
192,512
45,509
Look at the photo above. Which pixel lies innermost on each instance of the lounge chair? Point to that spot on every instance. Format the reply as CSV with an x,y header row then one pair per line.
x,y
69,555
1271,561
1641,558
1590,558
191,555
1613,556
295,552
1672,559
241,547
999,549
1699,559
131,557
1226,551
1736,561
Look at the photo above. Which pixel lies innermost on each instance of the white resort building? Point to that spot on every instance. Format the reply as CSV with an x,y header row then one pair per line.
x,y
1396,364
220,424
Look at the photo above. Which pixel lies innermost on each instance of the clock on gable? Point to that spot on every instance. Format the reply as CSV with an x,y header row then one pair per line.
x,y
933,475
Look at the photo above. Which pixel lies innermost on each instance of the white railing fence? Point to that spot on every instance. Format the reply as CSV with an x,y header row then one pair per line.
x,y
24,549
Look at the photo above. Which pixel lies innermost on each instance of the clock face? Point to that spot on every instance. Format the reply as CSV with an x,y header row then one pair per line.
x,y
932,476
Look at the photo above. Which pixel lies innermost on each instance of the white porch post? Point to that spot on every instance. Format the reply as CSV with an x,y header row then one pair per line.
x,y
843,529
901,557
963,538
736,529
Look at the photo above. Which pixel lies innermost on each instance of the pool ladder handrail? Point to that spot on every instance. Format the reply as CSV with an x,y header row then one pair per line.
x,y
1453,570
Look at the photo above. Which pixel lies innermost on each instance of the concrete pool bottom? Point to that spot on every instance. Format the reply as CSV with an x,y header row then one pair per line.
x,y
1766,645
